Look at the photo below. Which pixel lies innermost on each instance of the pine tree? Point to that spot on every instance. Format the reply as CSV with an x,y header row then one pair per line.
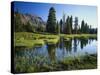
x,y
86,29
71,22
82,26
61,26
17,23
68,26
58,27
76,25
64,23
51,22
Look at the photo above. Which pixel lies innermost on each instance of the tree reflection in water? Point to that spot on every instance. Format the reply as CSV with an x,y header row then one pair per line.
x,y
51,51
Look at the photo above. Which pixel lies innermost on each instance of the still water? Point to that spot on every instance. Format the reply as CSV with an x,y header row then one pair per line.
x,y
59,51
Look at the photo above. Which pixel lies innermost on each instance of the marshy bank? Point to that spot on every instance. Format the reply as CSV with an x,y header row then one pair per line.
x,y
28,39
40,64
49,52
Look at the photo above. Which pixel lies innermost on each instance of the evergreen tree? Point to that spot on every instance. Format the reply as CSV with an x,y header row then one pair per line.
x,y
79,29
64,23
76,25
28,27
90,29
86,29
17,23
58,27
71,22
82,26
61,26
51,22
68,26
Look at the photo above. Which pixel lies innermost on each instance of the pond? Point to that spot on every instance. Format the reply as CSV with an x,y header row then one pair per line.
x,y
54,52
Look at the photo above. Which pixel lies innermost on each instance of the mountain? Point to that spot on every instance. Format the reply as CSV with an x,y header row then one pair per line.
x,y
24,21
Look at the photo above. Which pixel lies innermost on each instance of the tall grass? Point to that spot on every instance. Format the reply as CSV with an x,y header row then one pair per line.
x,y
41,64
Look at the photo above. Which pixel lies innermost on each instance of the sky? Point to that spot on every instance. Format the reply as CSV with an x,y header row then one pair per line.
x,y
83,12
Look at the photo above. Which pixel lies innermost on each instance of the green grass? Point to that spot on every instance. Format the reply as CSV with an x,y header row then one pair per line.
x,y
24,64
85,36
32,39
29,43
40,64
88,61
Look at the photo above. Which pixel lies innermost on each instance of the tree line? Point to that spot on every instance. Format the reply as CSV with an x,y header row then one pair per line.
x,y
67,26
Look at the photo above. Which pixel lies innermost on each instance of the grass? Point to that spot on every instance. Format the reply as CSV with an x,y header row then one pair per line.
x,y
82,62
40,64
32,39
52,40
85,36
29,43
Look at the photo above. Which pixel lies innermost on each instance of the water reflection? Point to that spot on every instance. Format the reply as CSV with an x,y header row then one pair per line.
x,y
84,42
58,51
75,45
51,51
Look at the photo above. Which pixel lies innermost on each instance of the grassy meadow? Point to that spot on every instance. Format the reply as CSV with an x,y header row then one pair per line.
x,y
28,39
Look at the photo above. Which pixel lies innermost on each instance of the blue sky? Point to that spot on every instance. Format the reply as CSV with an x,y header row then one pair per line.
x,y
86,13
